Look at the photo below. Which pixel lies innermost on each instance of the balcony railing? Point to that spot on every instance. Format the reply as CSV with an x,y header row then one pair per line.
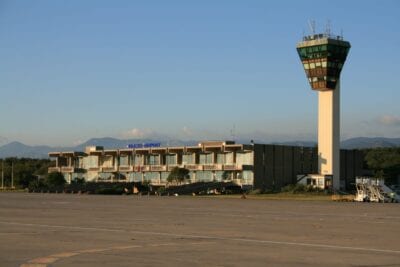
x,y
67,169
171,167
108,169
230,167
93,169
158,168
212,167
54,169
194,167
125,168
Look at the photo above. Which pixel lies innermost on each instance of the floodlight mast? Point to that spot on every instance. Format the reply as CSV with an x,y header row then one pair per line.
x,y
323,56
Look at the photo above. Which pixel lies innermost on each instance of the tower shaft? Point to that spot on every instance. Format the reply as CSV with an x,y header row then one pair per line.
x,y
329,134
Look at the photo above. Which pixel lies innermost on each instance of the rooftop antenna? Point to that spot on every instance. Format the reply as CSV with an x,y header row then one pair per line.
x,y
328,27
233,132
311,24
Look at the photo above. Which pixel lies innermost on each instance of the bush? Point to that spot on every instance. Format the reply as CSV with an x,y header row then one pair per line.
x,y
79,181
115,190
300,188
37,186
55,179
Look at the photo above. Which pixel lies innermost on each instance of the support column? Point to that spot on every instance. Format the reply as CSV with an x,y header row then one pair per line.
x,y
329,134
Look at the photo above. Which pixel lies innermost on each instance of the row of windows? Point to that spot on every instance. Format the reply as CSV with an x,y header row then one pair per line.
x,y
323,49
323,72
323,64
323,85
155,177
137,160
324,78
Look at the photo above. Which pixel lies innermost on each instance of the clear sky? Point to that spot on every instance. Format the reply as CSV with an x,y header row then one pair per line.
x,y
72,70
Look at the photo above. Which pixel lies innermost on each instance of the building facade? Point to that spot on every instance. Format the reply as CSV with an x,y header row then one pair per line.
x,y
209,161
255,166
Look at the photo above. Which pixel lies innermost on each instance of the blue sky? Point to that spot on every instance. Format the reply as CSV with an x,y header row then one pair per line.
x,y
72,70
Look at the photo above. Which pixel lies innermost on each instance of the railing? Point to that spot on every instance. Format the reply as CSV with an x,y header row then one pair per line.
x,y
125,168
194,167
108,169
54,169
212,167
158,168
230,167
172,166
67,169
145,168
94,169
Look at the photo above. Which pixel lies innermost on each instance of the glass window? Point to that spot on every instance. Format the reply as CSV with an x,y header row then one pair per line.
x,y
164,176
138,160
229,158
220,158
171,159
244,158
154,160
107,161
207,158
204,176
124,160
137,176
188,158
219,176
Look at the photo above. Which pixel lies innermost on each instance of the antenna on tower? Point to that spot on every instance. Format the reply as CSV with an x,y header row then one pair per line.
x,y
311,24
328,27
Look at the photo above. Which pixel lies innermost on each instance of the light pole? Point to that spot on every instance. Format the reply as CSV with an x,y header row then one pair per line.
x,y
12,174
2,174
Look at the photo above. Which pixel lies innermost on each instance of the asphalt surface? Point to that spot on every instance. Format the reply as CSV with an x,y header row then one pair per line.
x,y
38,230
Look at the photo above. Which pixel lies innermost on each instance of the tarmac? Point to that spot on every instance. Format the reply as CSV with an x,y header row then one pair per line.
x,y
40,230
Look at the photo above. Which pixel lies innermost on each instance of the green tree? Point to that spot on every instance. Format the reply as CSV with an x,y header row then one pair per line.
x,y
178,175
24,178
385,162
55,179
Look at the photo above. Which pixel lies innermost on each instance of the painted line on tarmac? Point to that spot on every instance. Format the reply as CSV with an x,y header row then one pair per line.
x,y
247,240
51,259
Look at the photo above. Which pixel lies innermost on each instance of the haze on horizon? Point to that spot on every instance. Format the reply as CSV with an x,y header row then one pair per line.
x,y
75,70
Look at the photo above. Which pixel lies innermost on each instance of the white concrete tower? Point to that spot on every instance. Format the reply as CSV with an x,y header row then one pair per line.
x,y
323,56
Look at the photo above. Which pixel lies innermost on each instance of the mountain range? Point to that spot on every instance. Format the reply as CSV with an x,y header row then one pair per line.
x,y
17,149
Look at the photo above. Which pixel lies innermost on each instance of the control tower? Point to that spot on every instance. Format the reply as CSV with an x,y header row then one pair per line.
x,y
323,56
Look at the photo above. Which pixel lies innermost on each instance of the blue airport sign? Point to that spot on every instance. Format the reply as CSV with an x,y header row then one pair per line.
x,y
144,145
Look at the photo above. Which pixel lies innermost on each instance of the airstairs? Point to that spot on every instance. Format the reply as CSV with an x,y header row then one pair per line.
x,y
371,189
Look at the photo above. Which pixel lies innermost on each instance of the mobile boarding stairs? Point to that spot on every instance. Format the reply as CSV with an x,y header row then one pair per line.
x,y
371,189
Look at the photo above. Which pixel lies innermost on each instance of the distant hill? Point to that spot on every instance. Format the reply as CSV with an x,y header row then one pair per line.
x,y
17,149
297,143
370,142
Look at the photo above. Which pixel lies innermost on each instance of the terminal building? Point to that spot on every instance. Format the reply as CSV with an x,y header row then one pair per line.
x,y
252,166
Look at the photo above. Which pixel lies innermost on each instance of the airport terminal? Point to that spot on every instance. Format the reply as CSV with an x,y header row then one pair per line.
x,y
252,166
